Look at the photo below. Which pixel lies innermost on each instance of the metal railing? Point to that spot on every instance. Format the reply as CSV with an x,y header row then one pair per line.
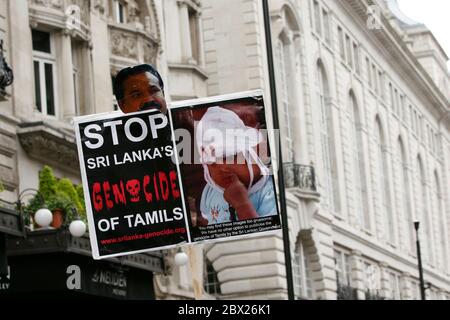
x,y
347,293
299,176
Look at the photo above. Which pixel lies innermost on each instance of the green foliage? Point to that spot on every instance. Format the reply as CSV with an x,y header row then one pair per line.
x,y
47,182
82,211
57,194
2,188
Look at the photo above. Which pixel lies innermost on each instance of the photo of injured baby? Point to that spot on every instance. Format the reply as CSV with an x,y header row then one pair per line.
x,y
227,177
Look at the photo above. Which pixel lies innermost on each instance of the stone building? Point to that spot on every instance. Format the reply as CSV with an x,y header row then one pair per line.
x,y
363,96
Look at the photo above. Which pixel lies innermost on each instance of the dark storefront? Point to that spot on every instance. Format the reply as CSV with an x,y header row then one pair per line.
x,y
52,264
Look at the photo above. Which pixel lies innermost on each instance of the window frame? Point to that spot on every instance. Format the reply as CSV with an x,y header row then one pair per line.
x,y
43,58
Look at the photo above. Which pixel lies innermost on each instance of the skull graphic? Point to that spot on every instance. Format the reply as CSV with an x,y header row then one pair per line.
x,y
133,188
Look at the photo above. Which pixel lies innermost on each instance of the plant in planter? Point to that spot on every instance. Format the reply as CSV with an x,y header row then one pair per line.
x,y
59,195
59,205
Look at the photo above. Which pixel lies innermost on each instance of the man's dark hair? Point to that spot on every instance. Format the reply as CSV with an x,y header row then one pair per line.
x,y
131,71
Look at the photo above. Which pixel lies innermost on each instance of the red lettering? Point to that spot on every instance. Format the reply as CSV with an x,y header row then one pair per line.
x,y
164,187
155,184
164,184
147,193
119,194
106,192
96,197
173,179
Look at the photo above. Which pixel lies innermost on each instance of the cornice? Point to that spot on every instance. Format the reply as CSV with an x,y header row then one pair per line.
x,y
398,51
50,145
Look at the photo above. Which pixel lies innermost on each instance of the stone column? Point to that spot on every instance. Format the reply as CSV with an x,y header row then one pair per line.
x,y
201,55
185,34
103,99
67,101
21,61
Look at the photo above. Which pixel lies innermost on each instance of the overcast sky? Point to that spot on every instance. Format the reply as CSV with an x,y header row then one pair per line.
x,y
434,14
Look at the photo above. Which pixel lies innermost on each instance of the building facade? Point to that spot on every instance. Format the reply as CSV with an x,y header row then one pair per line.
x,y
363,102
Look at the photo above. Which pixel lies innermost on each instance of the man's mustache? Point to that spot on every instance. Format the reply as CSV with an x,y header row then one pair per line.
x,y
151,105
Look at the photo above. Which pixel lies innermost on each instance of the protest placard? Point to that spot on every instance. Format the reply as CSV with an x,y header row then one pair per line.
x,y
202,173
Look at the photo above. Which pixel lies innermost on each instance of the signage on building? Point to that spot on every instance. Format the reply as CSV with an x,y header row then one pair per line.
x,y
5,280
74,275
201,173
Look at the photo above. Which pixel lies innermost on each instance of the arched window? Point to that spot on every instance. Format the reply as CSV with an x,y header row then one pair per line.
x,y
328,153
405,203
437,200
211,282
285,81
358,164
423,213
302,274
383,180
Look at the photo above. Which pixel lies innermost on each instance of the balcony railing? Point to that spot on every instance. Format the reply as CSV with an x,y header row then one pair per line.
x,y
347,293
373,295
299,176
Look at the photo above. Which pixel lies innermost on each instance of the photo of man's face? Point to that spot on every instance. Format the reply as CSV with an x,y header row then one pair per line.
x,y
142,91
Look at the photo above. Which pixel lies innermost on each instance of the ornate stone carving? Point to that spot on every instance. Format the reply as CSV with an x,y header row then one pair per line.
x,y
56,4
150,53
123,44
83,6
133,11
99,5
50,145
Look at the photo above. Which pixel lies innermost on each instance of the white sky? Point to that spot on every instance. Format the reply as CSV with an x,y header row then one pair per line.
x,y
434,14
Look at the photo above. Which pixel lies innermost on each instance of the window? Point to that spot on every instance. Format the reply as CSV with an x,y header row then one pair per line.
x,y
396,102
356,58
120,11
302,274
341,43
394,285
406,210
358,165
402,107
328,152
194,34
348,44
374,79
369,71
285,81
422,210
44,72
211,282
383,180
372,281
321,21
326,26
440,212
343,268
381,83
415,288
317,21
75,73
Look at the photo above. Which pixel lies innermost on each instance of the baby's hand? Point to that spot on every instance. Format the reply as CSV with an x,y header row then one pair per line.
x,y
236,194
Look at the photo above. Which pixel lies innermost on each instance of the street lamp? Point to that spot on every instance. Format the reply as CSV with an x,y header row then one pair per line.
x,y
77,227
43,217
181,258
419,258
276,125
